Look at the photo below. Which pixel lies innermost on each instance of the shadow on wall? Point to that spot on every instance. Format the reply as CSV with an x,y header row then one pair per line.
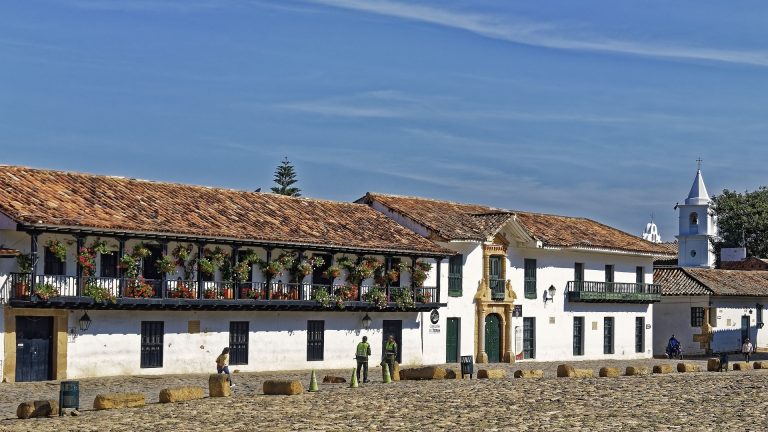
x,y
731,339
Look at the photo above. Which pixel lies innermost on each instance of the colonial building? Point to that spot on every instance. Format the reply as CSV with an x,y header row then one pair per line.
x,y
529,286
112,276
707,309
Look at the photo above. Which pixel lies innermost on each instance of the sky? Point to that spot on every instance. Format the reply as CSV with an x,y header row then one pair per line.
x,y
593,108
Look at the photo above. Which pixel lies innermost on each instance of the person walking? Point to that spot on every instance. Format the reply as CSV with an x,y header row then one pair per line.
x,y
361,354
746,349
390,353
222,365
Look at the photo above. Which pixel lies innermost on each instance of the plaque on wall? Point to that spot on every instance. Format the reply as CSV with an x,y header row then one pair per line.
x,y
517,311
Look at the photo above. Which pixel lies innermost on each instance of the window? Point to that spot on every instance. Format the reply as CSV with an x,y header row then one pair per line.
x,y
529,281
640,274
608,335
455,265
152,344
697,316
609,272
318,274
108,265
693,219
494,277
578,276
578,336
315,340
238,342
529,338
639,334
394,263
53,266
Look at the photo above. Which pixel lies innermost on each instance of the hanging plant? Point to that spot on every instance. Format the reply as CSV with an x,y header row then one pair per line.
x,y
141,251
46,291
57,248
165,265
322,296
204,265
332,272
393,275
98,293
183,256
420,272
100,247
377,296
403,298
86,257
25,263
139,288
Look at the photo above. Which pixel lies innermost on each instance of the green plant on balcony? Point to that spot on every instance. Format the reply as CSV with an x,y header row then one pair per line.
x,y
332,272
46,291
139,288
181,291
423,296
141,251
419,273
57,248
377,296
322,296
403,298
99,294
182,254
24,262
165,265
204,265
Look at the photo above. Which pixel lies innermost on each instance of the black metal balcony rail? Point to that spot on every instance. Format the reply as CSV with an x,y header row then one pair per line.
x,y
18,286
497,288
613,292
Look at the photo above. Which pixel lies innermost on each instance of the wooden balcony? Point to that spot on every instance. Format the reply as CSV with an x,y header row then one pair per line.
x,y
116,293
613,292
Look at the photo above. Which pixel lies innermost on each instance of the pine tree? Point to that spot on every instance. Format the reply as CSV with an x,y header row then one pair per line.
x,y
285,176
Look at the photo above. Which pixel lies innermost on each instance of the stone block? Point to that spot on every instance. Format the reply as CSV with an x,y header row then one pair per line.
x,y
760,365
452,374
713,364
38,408
565,371
741,366
283,387
395,374
423,373
663,369
535,373
584,373
491,374
610,372
218,386
328,379
637,370
687,367
118,400
180,394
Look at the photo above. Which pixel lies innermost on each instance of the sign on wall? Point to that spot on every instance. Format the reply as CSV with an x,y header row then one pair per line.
x,y
517,311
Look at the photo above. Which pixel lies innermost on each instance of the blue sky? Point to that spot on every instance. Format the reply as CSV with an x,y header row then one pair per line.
x,y
595,109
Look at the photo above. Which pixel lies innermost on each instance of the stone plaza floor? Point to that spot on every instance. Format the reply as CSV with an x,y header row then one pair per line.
x,y
698,401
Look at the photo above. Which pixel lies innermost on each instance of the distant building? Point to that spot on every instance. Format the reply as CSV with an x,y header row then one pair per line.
x,y
651,232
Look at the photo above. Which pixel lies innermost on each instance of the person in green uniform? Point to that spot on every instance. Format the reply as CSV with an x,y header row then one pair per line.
x,y
390,353
361,354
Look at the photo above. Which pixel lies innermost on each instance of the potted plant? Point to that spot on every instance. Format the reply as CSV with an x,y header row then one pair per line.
x,y
165,265
25,263
332,272
423,296
141,251
99,294
57,248
404,298
139,288
322,296
46,291
204,265
21,289
209,294
393,275
377,296
181,291
228,292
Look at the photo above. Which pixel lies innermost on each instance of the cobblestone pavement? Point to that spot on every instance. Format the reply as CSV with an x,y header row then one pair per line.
x,y
672,402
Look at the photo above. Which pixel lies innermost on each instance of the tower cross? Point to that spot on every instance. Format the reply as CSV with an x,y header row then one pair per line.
x,y
699,161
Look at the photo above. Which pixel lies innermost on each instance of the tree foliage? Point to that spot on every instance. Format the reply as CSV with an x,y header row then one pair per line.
x,y
743,217
285,177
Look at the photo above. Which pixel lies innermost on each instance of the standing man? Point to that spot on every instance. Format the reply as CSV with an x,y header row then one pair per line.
x,y
390,353
746,349
361,354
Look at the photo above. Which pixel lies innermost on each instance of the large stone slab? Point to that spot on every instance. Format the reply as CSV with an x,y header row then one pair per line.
x,y
713,364
423,373
687,367
491,374
118,400
637,370
534,373
395,374
452,374
283,387
568,371
38,408
584,373
741,366
328,379
180,394
218,386
663,369
760,365
610,372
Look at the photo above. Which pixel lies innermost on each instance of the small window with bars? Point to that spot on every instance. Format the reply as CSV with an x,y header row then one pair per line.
x,y
53,266
315,340
697,316
608,335
529,281
455,265
640,274
152,333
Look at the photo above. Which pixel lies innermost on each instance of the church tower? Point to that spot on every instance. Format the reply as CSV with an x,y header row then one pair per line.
x,y
697,227
651,232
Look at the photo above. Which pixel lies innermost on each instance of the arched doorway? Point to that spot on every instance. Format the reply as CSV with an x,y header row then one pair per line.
x,y
493,338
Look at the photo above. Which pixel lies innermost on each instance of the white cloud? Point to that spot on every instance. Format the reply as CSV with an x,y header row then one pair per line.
x,y
544,34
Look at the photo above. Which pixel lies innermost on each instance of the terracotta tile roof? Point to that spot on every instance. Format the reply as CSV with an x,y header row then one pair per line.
x,y
46,197
456,221
750,263
8,252
717,282
671,247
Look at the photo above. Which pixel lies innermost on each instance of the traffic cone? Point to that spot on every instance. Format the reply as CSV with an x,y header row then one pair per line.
x,y
313,382
353,381
385,374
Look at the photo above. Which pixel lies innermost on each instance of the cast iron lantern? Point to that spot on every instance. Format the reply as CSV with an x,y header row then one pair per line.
x,y
367,322
85,322
551,291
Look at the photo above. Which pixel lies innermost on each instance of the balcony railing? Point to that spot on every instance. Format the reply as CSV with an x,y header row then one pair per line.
x,y
497,288
613,292
57,288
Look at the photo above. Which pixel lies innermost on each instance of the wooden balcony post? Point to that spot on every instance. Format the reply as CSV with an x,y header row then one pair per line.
x,y
200,248
79,274
235,279
120,253
269,278
33,256
438,262
164,275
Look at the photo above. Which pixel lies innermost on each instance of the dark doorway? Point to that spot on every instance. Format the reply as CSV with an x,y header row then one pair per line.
x,y
238,342
149,268
452,340
152,333
492,338
744,328
394,328
529,338
34,348
318,274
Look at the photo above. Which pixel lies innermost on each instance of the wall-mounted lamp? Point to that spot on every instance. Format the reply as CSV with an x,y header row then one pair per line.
x,y
551,291
367,322
85,322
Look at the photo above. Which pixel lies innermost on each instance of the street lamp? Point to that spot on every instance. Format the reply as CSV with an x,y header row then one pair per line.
x,y
367,322
85,322
551,290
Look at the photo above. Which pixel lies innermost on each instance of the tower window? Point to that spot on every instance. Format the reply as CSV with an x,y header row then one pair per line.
x,y
693,253
694,218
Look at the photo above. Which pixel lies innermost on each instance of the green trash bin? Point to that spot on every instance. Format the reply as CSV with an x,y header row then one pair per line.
x,y
69,396
467,366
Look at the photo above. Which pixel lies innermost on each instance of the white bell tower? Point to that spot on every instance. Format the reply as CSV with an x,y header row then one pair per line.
x,y
697,227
